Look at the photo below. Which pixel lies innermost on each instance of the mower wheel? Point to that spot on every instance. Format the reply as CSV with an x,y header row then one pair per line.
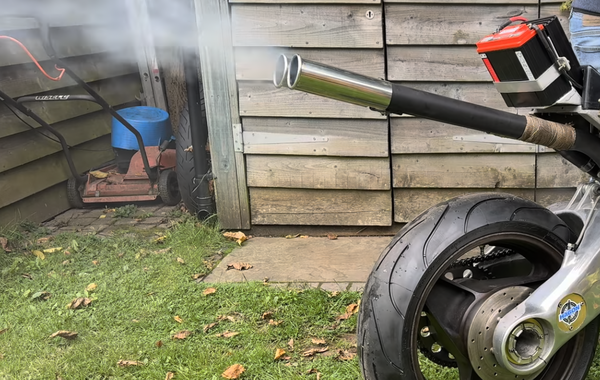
x,y
73,194
168,189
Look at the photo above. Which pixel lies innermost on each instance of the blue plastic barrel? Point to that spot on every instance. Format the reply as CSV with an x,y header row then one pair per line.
x,y
152,123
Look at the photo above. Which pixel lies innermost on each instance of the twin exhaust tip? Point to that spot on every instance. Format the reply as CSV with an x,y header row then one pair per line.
x,y
286,71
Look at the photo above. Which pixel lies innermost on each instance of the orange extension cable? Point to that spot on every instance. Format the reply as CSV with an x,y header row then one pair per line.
x,y
62,71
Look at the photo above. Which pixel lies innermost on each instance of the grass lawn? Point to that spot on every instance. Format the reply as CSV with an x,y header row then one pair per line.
x,y
145,294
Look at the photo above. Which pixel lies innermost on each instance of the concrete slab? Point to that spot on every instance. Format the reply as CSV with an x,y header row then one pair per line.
x,y
308,260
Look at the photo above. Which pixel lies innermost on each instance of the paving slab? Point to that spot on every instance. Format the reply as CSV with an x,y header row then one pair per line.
x,y
309,260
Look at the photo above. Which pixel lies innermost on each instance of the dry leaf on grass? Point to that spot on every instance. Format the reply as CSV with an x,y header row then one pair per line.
x,y
79,302
2,331
95,262
332,237
169,375
64,334
208,291
1,356
274,323
267,315
334,294
320,342
182,334
292,236
52,250
39,254
42,240
102,216
177,318
314,370
91,287
159,344
226,318
210,326
128,363
314,351
291,344
239,266
41,296
279,353
345,355
350,310
233,372
164,250
160,239
4,244
180,260
98,174
239,236
66,262
227,334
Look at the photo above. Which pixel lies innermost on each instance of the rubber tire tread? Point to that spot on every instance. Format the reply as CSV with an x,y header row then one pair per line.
x,y
400,274
164,179
73,194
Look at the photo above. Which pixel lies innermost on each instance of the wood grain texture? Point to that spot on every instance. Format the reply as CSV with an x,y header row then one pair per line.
x,y
116,91
36,208
29,146
334,26
258,63
221,101
306,1
28,179
414,135
409,203
365,138
467,1
263,99
547,197
555,171
456,24
321,207
318,172
464,171
442,63
26,79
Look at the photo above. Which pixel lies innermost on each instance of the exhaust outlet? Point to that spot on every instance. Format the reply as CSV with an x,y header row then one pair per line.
x,y
281,71
333,83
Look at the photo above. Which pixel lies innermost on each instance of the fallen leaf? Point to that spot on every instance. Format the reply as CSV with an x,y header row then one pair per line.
x,y
169,375
266,280
189,149
39,241
164,250
292,236
95,262
210,326
106,211
3,331
41,296
345,355
239,266
159,344
67,252
233,372
303,236
182,334
291,344
102,216
135,320
350,310
1,356
160,239
52,250
209,291
279,353
79,302
320,342
314,351
227,334
128,363
332,237
226,318
180,260
274,323
4,244
91,287
27,276
267,315
64,334
334,293
66,262
177,318
239,236
197,276
98,174
39,255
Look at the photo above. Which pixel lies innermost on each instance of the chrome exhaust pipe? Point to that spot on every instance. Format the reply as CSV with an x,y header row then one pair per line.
x,y
281,71
330,82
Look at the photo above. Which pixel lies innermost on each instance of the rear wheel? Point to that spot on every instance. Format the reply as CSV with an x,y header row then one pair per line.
x,y
434,296
74,194
168,189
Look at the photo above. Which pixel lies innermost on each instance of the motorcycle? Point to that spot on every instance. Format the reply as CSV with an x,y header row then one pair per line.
x,y
493,285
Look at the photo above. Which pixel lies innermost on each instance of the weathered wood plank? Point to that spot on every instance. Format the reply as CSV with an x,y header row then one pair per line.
x,y
70,41
305,1
263,99
484,94
29,146
222,112
436,24
321,207
334,26
37,208
464,170
116,91
18,183
257,63
364,138
414,135
467,1
547,197
555,171
318,172
443,63
26,79
409,203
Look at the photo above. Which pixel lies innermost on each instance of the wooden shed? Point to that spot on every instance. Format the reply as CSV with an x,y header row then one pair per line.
x,y
296,159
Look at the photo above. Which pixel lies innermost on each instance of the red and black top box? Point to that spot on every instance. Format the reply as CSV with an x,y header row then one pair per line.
x,y
521,66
